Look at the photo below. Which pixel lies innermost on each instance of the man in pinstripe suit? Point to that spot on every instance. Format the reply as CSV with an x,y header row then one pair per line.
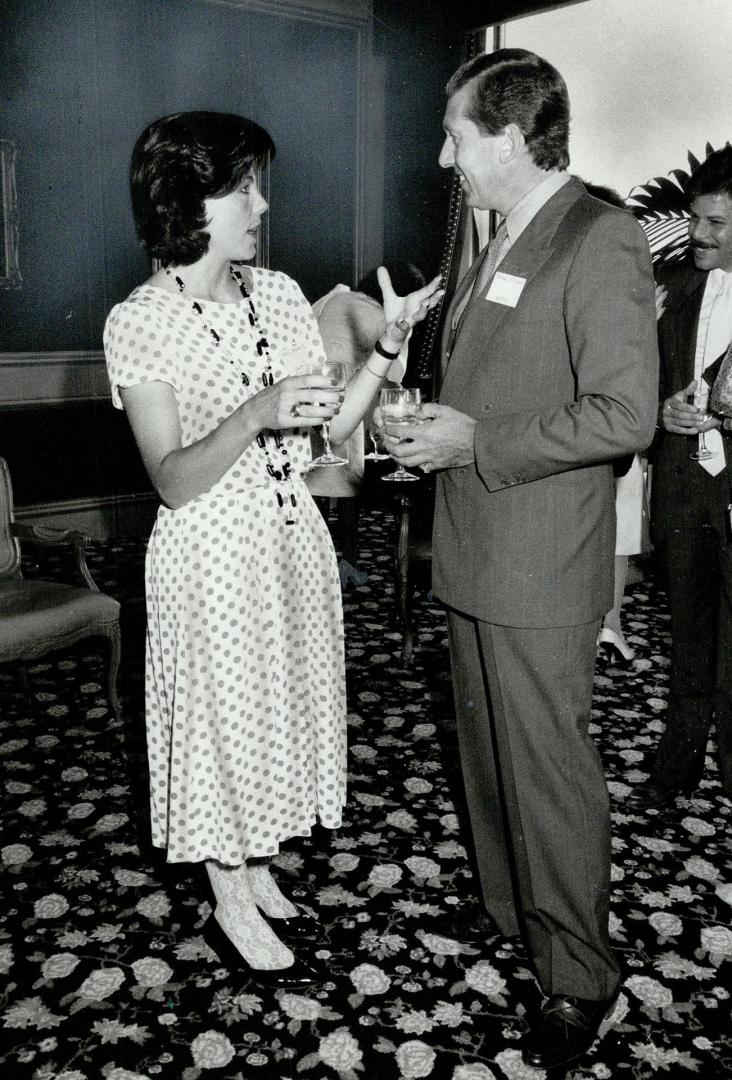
x,y
550,372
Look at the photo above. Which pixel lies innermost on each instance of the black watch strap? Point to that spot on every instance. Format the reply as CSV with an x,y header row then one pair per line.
x,y
379,348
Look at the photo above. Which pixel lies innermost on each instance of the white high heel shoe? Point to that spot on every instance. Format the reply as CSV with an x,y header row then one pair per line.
x,y
614,646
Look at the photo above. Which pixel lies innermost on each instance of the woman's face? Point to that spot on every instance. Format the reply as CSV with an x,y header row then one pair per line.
x,y
233,220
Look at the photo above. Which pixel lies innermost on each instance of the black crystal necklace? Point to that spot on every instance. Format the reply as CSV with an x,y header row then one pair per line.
x,y
284,472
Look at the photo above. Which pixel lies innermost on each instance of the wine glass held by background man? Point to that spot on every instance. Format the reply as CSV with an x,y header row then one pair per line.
x,y
549,373
245,689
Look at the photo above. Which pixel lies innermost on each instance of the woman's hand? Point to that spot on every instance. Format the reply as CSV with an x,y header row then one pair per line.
x,y
297,401
404,312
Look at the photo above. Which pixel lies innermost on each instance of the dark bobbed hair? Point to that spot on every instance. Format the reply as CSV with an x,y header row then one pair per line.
x,y
515,86
713,176
606,194
180,160
405,278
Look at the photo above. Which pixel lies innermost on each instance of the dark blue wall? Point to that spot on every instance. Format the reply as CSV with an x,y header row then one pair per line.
x,y
422,50
81,78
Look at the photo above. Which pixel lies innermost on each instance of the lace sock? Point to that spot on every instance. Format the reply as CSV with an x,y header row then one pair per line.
x,y
266,892
238,917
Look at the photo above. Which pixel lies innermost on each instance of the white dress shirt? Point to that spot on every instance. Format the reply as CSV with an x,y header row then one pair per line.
x,y
713,336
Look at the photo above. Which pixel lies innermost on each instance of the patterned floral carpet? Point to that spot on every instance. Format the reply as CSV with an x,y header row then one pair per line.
x,y
107,974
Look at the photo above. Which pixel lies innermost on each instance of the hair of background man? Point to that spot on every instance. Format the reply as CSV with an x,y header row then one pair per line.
x,y
178,161
713,176
405,278
515,86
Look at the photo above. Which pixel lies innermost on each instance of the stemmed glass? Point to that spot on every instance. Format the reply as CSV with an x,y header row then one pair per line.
x,y
400,407
701,398
333,375
375,454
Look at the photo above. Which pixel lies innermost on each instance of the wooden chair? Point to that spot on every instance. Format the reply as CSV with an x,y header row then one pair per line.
x,y
36,616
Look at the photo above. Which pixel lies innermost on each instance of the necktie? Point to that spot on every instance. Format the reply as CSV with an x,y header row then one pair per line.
x,y
492,258
496,249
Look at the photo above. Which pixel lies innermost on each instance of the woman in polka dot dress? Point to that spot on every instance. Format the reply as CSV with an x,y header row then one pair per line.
x,y
245,688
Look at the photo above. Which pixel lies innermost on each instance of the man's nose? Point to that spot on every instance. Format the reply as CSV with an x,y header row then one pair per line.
x,y
446,159
697,230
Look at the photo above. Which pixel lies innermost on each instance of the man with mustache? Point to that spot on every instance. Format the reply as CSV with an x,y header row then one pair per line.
x,y
690,498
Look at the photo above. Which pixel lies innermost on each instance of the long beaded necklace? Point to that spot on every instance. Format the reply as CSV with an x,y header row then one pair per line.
x,y
284,473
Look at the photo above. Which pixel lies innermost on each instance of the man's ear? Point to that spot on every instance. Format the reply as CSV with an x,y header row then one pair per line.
x,y
513,144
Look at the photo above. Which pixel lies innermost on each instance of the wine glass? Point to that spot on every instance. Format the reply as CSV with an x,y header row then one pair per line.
x,y
400,407
703,453
333,375
375,454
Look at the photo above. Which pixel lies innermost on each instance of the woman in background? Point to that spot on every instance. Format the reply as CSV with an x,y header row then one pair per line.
x,y
632,535
350,323
245,695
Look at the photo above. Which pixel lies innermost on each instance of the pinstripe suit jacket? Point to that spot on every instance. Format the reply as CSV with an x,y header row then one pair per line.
x,y
560,385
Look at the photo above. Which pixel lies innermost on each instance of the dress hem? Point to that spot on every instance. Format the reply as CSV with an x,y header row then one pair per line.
x,y
336,824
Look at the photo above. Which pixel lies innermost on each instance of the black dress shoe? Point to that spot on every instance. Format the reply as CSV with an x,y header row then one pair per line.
x,y
612,657
298,976
652,796
565,1030
469,923
296,927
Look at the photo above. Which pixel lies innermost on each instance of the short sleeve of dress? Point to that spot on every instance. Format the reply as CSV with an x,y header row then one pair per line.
x,y
139,345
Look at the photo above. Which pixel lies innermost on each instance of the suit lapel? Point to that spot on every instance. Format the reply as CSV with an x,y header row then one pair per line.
x,y
449,334
482,318
686,324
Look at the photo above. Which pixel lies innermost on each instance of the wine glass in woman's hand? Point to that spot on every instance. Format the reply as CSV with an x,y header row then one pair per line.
x,y
331,375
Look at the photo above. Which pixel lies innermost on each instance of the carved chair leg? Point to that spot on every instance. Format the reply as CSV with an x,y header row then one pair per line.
x,y
401,579
115,650
23,679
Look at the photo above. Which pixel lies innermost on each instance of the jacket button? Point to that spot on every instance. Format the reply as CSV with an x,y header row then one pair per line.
x,y
486,408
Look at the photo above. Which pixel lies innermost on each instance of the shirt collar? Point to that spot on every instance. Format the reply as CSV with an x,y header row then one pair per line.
x,y
529,206
720,279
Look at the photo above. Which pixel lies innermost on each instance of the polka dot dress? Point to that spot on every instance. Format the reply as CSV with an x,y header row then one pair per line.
x,y
245,679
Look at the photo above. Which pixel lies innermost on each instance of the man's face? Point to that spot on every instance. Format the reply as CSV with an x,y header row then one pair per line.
x,y
472,153
710,232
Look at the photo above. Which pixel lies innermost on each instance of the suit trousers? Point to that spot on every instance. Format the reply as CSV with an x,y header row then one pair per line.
x,y
536,794
698,571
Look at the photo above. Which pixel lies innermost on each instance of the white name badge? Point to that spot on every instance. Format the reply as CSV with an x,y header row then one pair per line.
x,y
505,289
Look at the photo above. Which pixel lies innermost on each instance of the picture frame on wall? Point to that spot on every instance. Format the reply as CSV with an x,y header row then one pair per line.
x,y
9,243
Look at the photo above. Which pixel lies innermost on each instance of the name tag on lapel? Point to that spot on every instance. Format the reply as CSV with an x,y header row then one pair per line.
x,y
505,289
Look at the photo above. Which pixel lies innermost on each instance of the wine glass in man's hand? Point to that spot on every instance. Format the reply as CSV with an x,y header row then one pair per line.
x,y
400,407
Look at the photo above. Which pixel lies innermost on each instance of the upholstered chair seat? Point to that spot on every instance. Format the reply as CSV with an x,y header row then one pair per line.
x,y
38,616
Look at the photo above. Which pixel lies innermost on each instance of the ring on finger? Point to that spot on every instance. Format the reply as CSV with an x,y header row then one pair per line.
x,y
295,410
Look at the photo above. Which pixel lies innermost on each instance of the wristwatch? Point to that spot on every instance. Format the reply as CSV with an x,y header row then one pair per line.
x,y
379,348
